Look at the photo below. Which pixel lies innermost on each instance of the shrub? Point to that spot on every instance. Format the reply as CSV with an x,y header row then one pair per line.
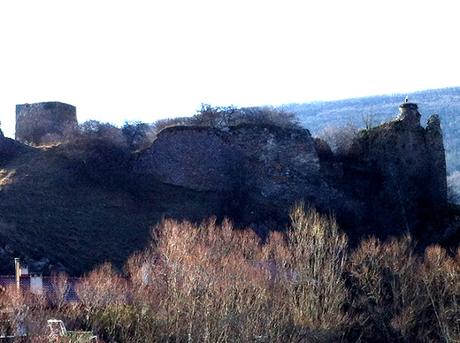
x,y
310,264
104,299
95,130
220,117
385,288
439,303
398,297
100,154
138,135
212,283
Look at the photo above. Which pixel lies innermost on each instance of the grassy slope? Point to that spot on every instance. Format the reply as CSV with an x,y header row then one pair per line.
x,y
49,209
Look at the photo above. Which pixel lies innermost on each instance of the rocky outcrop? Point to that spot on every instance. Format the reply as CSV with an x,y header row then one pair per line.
x,y
44,122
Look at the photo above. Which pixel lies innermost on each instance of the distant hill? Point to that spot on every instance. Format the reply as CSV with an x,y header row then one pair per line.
x,y
446,102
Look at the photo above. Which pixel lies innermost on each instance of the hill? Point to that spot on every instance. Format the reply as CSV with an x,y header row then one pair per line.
x,y
94,196
73,204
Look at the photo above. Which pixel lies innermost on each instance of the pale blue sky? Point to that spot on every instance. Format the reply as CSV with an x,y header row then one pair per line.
x,y
143,60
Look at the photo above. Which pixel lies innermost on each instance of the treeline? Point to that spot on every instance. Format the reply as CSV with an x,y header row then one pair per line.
x,y
211,283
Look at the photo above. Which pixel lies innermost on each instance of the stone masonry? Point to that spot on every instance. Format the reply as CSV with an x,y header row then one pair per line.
x,y
393,175
44,122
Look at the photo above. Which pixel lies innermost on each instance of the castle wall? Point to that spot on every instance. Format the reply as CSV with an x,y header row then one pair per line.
x,y
193,157
44,122
400,169
264,167
394,176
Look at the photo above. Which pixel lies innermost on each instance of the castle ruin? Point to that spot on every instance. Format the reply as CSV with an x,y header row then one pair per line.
x,y
393,176
44,122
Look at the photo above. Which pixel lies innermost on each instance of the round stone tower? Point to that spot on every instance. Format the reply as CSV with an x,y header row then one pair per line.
x,y
44,122
408,112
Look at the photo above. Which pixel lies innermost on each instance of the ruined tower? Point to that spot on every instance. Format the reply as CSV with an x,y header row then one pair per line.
x,y
44,122
408,112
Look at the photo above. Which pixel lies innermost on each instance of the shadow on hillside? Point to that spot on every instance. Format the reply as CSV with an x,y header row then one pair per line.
x,y
69,207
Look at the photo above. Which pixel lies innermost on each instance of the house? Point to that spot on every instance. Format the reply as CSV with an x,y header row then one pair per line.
x,y
53,288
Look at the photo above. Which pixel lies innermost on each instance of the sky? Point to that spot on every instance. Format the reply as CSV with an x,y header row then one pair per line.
x,y
142,60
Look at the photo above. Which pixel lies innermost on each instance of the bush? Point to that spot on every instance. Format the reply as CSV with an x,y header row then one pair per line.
x,y
397,297
440,300
95,130
220,117
316,260
385,289
138,135
210,283
100,154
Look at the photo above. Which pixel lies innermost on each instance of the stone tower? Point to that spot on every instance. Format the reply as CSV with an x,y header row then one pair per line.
x,y
44,122
408,112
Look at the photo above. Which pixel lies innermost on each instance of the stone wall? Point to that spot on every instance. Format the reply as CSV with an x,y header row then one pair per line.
x,y
392,176
44,122
265,168
400,170
193,157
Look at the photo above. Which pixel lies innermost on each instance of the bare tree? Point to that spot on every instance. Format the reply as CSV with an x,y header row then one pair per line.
x,y
339,139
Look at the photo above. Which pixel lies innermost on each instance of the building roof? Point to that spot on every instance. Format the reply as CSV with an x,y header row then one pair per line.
x,y
49,286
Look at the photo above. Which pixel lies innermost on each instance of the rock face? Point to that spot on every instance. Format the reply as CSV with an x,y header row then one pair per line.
x,y
392,176
44,122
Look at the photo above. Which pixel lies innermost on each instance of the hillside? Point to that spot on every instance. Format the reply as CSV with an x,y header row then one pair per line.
x,y
57,203
94,196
